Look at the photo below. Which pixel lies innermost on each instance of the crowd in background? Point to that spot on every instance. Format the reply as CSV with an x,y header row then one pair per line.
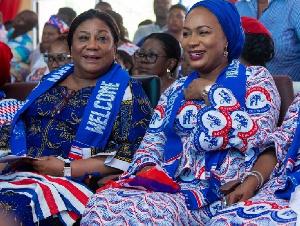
x,y
198,157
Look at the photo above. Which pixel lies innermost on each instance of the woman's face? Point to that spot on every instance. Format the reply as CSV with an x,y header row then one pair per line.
x,y
50,34
160,66
204,41
60,51
93,49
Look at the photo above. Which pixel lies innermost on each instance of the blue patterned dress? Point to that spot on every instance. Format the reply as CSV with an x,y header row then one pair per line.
x,y
124,206
51,124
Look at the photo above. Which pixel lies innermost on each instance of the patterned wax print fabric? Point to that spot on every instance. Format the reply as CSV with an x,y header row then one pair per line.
x,y
281,18
120,206
265,208
21,48
51,124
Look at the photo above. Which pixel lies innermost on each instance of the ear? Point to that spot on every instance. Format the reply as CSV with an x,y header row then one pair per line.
x,y
171,63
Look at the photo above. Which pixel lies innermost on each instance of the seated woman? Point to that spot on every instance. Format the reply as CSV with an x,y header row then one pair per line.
x,y
85,117
271,205
159,55
208,128
59,53
259,45
51,31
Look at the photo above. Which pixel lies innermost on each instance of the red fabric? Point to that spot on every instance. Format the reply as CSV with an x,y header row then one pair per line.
x,y
5,58
9,9
253,26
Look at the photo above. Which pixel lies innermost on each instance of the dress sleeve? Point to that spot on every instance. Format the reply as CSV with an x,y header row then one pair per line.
x,y
129,128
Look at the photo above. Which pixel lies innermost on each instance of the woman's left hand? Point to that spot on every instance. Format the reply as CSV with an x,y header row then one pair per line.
x,y
48,165
195,90
243,192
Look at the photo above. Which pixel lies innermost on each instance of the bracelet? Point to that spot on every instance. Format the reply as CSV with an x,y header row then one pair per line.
x,y
252,174
262,181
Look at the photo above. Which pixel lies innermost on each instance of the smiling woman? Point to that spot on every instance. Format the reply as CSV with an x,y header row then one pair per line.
x,y
93,117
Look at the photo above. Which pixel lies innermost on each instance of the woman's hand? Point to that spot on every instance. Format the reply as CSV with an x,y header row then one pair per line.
x,y
195,90
48,165
243,192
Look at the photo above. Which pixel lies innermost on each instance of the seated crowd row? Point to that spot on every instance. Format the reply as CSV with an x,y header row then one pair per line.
x,y
198,158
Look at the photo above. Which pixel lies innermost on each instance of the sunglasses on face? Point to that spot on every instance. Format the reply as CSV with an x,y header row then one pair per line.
x,y
60,58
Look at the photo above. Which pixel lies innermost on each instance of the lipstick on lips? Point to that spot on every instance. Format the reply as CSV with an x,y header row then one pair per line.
x,y
196,54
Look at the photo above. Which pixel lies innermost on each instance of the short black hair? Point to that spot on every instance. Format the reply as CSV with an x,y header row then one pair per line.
x,y
178,6
66,14
171,46
258,49
94,14
102,3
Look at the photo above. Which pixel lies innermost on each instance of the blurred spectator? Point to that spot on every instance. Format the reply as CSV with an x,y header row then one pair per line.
x,y
159,55
21,44
124,44
259,46
52,29
185,67
281,18
59,53
175,21
125,60
103,6
8,24
3,31
161,9
66,14
145,22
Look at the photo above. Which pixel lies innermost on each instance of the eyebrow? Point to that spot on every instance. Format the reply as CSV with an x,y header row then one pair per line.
x,y
197,28
99,31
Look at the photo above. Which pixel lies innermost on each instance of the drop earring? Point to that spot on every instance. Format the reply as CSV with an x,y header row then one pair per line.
x,y
225,53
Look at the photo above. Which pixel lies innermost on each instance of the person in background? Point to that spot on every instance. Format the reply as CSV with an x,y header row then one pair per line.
x,y
159,55
21,44
175,21
59,53
86,117
125,60
259,46
51,31
8,106
66,14
185,67
145,22
161,9
281,18
8,24
206,130
124,44
103,6
3,30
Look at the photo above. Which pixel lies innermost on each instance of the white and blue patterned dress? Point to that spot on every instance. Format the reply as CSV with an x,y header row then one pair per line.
x,y
244,142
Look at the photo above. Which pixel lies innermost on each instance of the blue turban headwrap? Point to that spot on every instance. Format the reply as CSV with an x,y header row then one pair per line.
x,y
230,20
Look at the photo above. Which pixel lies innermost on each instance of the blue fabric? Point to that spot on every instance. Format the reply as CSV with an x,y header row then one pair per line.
x,y
282,19
230,21
236,82
89,134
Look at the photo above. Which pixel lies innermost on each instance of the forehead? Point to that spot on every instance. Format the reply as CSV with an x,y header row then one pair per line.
x,y
59,47
201,16
177,11
93,25
49,28
153,44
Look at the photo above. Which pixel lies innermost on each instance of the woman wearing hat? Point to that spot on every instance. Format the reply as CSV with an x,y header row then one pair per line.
x,y
207,129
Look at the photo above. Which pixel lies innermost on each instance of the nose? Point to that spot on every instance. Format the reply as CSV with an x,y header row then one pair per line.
x,y
92,44
193,41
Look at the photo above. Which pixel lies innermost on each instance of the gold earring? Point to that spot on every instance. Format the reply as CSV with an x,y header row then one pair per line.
x,y
225,54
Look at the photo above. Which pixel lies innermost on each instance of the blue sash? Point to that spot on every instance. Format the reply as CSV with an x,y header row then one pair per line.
x,y
232,77
99,115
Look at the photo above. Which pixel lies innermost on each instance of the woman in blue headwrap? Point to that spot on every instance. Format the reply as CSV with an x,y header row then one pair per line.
x,y
208,129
